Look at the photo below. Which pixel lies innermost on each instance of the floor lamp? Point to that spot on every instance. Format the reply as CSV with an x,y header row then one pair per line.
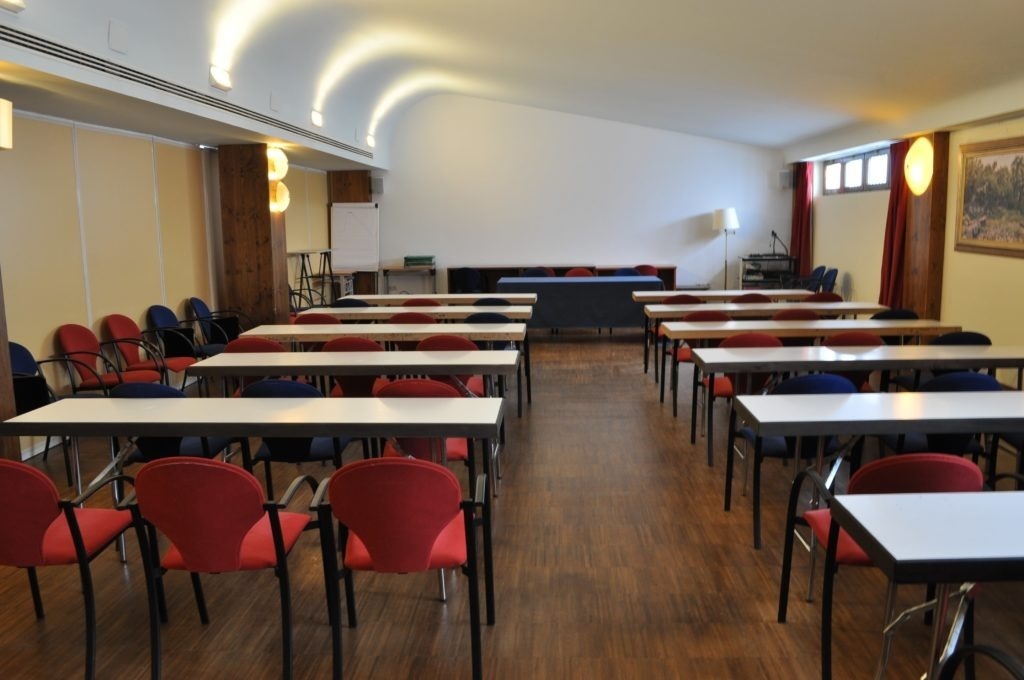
x,y
725,219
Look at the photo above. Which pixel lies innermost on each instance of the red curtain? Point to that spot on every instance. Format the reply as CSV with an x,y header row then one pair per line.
x,y
890,291
800,234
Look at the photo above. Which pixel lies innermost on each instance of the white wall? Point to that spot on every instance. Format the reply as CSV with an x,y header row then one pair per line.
x,y
849,233
477,182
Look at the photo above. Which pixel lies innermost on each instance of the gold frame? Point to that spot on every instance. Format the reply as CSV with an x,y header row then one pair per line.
x,y
976,235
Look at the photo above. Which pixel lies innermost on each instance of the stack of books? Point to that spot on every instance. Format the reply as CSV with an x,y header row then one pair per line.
x,y
419,260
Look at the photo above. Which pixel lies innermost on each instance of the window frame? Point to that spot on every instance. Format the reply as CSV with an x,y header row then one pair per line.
x,y
864,157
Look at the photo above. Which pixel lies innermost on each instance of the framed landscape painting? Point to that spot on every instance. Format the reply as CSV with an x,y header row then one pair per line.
x,y
990,205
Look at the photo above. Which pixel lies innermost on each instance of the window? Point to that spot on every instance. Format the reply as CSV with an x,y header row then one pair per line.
x,y
867,171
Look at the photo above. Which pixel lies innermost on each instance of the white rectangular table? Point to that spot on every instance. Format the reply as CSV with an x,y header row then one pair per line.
x,y
446,298
440,312
941,538
284,417
720,295
712,360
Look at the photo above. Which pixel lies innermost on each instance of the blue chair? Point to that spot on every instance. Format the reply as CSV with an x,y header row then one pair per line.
x,y
221,326
178,337
626,271
350,302
467,280
293,449
31,391
536,272
491,302
828,280
784,448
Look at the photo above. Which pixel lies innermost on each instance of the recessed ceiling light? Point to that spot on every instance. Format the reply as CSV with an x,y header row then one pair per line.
x,y
371,141
220,78
317,118
12,5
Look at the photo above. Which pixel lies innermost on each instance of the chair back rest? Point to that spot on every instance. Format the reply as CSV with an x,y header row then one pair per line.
x,y
30,392
350,302
411,317
487,317
151,448
422,448
853,339
397,507
274,388
796,315
354,385
646,270
535,272
314,318
823,296
961,338
22,361
682,299
421,302
199,308
466,280
80,344
962,381
627,271
159,316
917,473
578,272
205,507
227,327
447,343
119,326
28,506
828,280
491,302
899,314
254,344
746,383
751,297
816,383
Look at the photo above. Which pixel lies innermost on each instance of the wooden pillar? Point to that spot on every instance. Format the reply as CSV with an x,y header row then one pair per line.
x,y
926,234
255,257
353,186
10,447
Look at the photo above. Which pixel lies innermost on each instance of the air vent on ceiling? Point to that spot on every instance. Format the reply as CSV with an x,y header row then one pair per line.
x,y
73,56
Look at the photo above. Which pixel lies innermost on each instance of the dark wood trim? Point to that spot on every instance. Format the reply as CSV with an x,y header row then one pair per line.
x,y
10,447
349,186
926,234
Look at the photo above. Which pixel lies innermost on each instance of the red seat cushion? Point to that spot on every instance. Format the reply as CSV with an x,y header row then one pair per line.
x,y
449,549
257,551
684,354
475,384
111,379
176,364
723,386
99,527
847,550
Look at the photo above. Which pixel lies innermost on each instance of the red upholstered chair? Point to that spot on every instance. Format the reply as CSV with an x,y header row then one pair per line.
x,y
251,344
354,385
408,317
684,355
180,498
421,302
823,296
909,473
402,516
38,529
428,448
578,271
752,297
855,339
313,319
646,270
659,334
474,384
88,369
796,315
126,338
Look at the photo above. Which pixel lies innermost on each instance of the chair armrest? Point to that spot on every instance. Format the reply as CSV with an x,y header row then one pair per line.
x,y
150,349
480,495
292,489
69,362
94,487
1009,663
318,497
1008,475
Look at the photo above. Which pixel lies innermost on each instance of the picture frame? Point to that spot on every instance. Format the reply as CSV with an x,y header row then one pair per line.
x,y
990,200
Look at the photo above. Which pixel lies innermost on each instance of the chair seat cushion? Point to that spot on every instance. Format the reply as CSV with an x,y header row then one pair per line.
x,y
257,551
684,354
107,380
847,550
723,386
475,384
99,526
449,549
175,364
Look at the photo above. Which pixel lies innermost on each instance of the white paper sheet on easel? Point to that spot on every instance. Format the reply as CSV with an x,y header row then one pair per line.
x,y
355,236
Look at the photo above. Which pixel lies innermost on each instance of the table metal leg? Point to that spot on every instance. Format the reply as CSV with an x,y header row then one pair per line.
x,y
526,359
647,342
709,406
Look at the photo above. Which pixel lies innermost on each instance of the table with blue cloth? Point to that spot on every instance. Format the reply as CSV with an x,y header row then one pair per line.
x,y
583,302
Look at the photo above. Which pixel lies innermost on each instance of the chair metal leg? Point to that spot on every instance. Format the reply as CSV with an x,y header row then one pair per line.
x,y
758,443
90,619
826,602
197,590
474,595
890,606
286,619
442,590
37,599
730,458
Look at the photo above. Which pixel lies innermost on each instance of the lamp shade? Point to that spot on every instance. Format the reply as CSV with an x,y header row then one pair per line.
x,y
6,124
279,197
919,165
277,164
725,219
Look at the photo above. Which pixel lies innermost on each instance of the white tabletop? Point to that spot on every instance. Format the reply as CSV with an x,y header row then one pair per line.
x,y
763,309
285,417
882,413
938,537
488,362
447,298
650,296
822,358
388,331
716,330
439,312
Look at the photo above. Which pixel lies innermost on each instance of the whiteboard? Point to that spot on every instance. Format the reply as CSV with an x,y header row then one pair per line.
x,y
355,236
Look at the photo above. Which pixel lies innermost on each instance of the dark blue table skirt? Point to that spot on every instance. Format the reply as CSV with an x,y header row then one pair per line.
x,y
583,302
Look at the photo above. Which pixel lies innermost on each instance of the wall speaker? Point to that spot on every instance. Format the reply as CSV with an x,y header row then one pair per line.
x,y
784,179
376,186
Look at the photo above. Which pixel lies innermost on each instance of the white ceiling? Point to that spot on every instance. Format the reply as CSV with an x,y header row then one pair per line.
x,y
753,71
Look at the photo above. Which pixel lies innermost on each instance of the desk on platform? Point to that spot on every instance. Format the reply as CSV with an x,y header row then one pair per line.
x,y
491,274
583,302
940,538
440,312
396,299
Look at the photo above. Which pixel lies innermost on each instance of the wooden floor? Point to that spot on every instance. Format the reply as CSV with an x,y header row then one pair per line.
x,y
614,559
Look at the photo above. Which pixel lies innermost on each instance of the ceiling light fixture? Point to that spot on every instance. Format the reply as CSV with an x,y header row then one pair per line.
x,y
371,141
317,118
277,164
12,5
220,78
6,124
279,197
